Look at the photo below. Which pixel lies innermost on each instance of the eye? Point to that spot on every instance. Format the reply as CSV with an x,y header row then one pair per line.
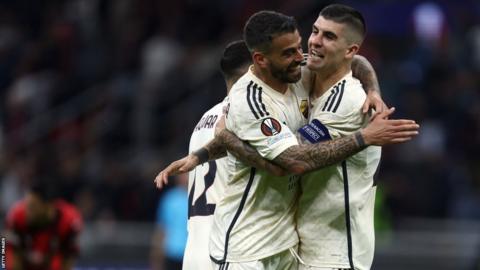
x,y
330,36
288,53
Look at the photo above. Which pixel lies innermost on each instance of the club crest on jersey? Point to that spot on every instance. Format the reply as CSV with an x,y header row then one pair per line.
x,y
270,127
304,108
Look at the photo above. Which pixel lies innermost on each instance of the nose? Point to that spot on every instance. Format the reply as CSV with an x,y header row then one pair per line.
x,y
299,55
316,40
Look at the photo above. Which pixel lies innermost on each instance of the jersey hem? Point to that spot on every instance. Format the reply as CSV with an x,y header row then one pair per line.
x,y
327,265
261,256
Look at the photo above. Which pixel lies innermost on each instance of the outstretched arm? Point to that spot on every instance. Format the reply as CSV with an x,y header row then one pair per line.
x,y
216,149
363,70
224,140
300,159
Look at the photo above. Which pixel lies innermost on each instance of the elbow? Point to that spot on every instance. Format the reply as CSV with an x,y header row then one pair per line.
x,y
297,169
279,172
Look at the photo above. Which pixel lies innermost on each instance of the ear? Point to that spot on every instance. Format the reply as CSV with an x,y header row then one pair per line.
x,y
260,59
351,51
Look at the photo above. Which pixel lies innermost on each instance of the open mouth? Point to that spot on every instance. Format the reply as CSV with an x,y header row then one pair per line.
x,y
315,55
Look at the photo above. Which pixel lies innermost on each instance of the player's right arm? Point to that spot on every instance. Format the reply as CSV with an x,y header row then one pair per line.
x,y
363,70
299,159
304,158
216,149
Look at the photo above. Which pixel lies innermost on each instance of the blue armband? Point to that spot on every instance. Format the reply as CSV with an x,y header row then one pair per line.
x,y
315,132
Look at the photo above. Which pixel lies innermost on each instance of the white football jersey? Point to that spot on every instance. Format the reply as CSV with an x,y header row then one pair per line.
x,y
335,211
206,184
255,217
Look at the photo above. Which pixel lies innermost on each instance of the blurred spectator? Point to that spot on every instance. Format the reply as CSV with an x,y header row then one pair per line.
x,y
42,230
171,231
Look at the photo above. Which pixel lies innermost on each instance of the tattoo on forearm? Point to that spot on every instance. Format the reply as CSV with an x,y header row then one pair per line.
x,y
363,70
308,157
245,152
216,149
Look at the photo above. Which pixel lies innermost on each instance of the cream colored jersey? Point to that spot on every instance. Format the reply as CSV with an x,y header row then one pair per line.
x,y
205,186
255,217
335,212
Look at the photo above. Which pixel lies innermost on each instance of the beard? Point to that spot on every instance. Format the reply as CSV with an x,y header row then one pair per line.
x,y
284,75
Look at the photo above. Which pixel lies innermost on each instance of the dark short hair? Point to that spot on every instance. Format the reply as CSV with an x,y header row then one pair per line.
x,y
235,56
346,15
263,26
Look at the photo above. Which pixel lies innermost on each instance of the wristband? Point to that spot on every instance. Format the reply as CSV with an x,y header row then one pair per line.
x,y
359,139
202,155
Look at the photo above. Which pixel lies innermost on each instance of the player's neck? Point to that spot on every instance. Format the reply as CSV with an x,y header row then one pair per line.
x,y
229,84
325,79
269,80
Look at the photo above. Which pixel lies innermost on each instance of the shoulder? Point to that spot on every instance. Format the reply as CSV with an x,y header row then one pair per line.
x,y
217,109
347,97
355,95
238,93
71,219
209,118
16,218
248,101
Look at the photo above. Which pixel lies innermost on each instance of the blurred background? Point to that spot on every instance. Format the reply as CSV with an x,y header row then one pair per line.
x,y
109,91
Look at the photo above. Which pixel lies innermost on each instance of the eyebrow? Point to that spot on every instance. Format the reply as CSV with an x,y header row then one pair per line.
x,y
330,33
292,49
288,50
325,32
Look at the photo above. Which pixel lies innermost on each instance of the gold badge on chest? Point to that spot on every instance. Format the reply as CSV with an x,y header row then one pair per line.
x,y
304,108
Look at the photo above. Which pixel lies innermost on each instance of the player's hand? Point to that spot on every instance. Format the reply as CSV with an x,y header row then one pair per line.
x,y
180,166
383,131
374,101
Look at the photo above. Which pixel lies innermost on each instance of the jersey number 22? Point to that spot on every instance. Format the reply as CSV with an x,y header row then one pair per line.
x,y
201,207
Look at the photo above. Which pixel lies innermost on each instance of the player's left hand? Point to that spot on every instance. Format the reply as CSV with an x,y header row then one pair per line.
x,y
180,166
382,131
374,101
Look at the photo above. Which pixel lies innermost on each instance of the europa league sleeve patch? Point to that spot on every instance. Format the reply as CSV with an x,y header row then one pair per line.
x,y
315,132
270,127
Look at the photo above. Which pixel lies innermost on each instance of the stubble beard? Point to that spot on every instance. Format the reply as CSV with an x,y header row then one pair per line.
x,y
283,75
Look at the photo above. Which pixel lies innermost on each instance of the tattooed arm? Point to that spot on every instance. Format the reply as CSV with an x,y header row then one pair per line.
x,y
225,139
304,158
300,159
247,154
215,149
364,72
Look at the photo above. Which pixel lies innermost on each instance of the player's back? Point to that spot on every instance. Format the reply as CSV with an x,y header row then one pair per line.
x,y
335,213
205,186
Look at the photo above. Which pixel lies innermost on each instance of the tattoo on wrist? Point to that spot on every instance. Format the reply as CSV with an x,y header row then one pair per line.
x,y
359,139
202,155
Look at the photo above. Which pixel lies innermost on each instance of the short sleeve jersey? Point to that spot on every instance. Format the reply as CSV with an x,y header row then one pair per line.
x,y
206,184
335,212
255,217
